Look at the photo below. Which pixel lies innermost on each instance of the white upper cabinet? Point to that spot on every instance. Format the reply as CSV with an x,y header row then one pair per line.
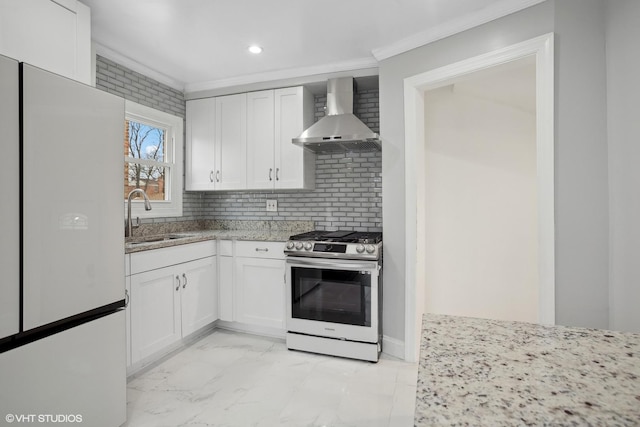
x,y
294,166
200,150
216,149
53,35
243,142
274,117
231,142
260,140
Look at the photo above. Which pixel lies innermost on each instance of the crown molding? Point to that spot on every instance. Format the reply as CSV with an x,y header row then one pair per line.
x,y
134,65
454,26
292,73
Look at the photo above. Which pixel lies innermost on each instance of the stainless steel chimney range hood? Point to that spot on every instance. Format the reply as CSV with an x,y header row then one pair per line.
x,y
340,130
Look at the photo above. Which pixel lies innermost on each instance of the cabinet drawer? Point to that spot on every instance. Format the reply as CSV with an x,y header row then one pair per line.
x,y
164,257
274,250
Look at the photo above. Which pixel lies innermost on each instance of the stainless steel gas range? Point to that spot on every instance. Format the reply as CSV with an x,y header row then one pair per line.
x,y
334,295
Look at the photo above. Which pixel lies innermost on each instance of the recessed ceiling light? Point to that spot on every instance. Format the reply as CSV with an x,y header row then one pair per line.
x,y
255,49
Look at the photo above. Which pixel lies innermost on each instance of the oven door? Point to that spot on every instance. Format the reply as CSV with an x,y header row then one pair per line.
x,y
333,298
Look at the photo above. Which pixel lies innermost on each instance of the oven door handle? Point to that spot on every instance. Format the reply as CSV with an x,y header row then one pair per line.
x,y
333,264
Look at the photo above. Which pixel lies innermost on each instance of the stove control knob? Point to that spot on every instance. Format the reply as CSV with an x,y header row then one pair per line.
x,y
370,249
289,245
307,246
360,249
298,245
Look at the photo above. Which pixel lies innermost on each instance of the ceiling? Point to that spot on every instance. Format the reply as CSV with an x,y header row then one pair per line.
x,y
197,45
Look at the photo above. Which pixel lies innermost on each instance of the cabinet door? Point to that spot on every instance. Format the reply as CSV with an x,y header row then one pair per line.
x,y
199,161
260,139
231,142
127,312
260,288
225,288
52,36
199,294
295,166
155,311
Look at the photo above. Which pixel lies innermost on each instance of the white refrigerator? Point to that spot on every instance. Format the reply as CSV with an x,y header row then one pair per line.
x,y
62,321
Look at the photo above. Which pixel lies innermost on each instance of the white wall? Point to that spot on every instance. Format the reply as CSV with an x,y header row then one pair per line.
x,y
623,93
481,248
581,152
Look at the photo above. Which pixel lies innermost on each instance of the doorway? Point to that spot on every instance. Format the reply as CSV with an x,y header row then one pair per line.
x,y
481,247
417,87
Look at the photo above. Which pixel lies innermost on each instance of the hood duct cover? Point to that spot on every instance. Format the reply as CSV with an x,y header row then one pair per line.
x,y
340,130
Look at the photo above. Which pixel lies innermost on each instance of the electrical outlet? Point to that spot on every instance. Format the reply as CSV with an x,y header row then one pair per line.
x,y
272,206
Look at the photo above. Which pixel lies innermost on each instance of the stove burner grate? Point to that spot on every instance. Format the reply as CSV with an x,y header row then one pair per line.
x,y
340,236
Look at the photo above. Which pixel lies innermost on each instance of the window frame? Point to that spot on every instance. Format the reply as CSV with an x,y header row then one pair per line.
x,y
174,144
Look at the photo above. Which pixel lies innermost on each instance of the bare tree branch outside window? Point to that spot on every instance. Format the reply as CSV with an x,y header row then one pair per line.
x,y
146,142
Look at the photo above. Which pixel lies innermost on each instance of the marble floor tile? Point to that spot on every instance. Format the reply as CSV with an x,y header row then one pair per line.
x,y
237,380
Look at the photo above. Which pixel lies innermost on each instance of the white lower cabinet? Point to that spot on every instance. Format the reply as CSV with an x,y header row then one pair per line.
x,y
168,303
155,310
225,280
260,285
127,312
260,292
174,292
198,295
127,299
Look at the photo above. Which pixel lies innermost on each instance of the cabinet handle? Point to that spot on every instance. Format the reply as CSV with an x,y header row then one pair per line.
x,y
217,176
126,298
184,276
211,176
178,280
262,249
270,170
277,172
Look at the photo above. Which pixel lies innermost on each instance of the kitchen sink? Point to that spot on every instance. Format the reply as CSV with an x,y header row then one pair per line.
x,y
134,241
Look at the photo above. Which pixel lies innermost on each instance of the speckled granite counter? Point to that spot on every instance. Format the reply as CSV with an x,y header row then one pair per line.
x,y
498,373
180,233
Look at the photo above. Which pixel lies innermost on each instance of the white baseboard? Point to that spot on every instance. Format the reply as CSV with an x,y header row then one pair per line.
x,y
149,362
251,329
393,347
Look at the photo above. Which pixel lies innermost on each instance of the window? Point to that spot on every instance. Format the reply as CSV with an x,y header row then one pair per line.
x,y
153,160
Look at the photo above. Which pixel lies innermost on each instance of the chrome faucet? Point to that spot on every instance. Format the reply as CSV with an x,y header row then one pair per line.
x,y
147,207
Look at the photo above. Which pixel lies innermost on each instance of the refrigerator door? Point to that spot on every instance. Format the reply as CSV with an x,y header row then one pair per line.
x,y
73,221
9,194
77,376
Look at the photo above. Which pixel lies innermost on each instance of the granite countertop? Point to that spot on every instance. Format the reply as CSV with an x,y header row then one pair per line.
x,y
489,372
155,236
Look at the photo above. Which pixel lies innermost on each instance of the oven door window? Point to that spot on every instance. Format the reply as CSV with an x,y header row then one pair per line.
x,y
336,296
